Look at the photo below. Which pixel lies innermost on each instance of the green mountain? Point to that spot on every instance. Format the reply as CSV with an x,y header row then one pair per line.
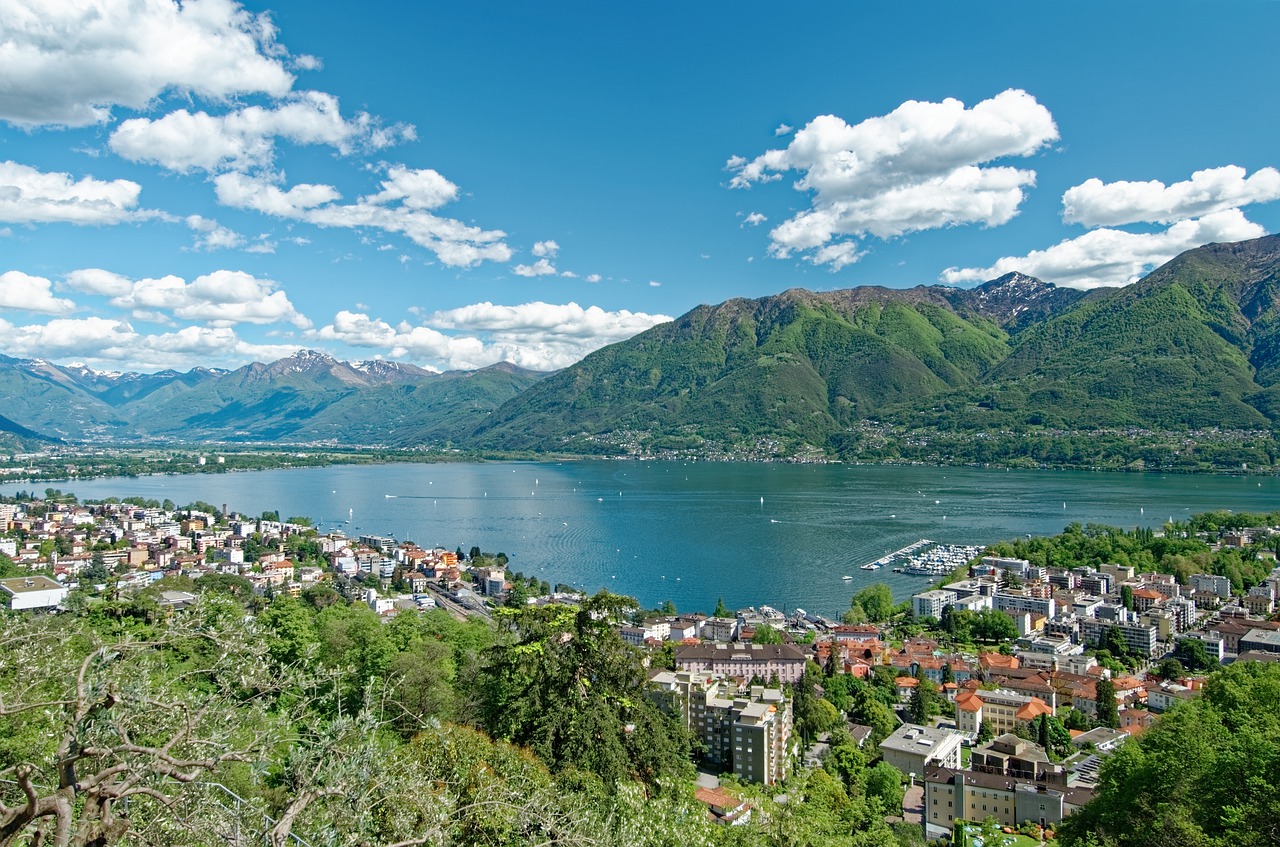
x,y
306,398
1194,345
798,365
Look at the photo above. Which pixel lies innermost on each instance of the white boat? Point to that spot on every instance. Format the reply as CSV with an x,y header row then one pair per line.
x,y
846,578
871,567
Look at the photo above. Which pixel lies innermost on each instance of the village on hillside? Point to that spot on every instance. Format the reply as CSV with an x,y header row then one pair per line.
x,y
1063,664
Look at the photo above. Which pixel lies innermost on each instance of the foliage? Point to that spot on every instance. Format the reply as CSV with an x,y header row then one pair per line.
x,y
1224,745
569,688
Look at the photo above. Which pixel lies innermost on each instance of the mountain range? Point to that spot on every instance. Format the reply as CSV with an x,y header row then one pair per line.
x,y
1193,346
308,397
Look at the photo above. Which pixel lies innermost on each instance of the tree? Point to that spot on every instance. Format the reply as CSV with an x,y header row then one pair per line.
x,y
884,783
1192,654
766,634
104,737
986,732
993,625
948,675
1126,596
1108,713
921,705
876,601
569,688
722,611
1219,745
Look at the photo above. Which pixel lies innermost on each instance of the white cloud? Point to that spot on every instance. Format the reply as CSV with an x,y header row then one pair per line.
x,y
594,277
920,167
31,294
245,138
541,336
546,248
210,235
783,129
67,62
113,343
568,275
221,298
416,189
539,268
754,219
1095,203
653,283
400,207
1111,256
31,196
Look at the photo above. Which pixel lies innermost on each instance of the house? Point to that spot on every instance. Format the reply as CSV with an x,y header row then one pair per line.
x,y
951,794
782,663
1002,709
723,807
32,592
913,748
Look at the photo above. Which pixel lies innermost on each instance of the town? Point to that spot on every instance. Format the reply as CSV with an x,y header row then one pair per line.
x,y
997,695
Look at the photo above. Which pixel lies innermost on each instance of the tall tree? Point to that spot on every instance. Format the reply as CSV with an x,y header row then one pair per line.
x,y
1108,712
569,688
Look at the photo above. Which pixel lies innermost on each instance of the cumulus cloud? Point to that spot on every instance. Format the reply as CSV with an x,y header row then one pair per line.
x,y
67,62
546,248
754,219
783,129
594,277
103,342
922,166
220,299
211,235
542,336
400,207
542,267
1111,256
245,138
31,294
1095,203
31,196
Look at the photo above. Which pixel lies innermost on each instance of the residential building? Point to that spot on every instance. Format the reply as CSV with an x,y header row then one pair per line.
x,y
1262,640
952,795
782,663
929,604
32,592
745,729
913,748
1014,603
1003,709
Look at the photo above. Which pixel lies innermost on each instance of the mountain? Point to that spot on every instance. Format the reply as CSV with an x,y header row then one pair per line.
x,y
800,364
1194,345
307,397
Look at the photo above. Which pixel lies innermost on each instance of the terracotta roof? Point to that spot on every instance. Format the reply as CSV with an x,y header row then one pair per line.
x,y
1033,709
906,682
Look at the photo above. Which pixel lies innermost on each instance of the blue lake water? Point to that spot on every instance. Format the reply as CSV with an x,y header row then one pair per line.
x,y
692,533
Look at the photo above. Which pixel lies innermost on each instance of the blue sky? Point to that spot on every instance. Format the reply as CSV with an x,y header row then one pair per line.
x,y
457,184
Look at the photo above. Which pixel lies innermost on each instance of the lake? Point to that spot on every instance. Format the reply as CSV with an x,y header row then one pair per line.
x,y
694,532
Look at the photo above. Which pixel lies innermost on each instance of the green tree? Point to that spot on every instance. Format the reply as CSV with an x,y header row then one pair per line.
x,y
766,634
1126,596
567,687
876,601
722,611
884,783
1108,712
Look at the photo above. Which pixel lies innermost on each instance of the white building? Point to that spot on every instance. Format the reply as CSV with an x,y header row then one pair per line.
x,y
33,592
912,748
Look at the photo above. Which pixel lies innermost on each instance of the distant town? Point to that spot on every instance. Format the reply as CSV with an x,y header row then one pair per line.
x,y
1060,665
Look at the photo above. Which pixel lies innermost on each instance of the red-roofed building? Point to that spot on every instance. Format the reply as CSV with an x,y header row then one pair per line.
x,y
723,807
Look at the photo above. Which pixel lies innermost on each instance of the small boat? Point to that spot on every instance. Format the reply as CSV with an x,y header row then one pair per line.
x,y
846,578
874,566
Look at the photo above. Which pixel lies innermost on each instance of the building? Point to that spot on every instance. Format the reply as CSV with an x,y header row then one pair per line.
x,y
951,795
913,748
33,592
929,604
1016,603
1262,640
1003,709
1138,638
1009,755
782,663
745,729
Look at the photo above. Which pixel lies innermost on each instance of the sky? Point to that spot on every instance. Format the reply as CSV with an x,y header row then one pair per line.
x,y
455,184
